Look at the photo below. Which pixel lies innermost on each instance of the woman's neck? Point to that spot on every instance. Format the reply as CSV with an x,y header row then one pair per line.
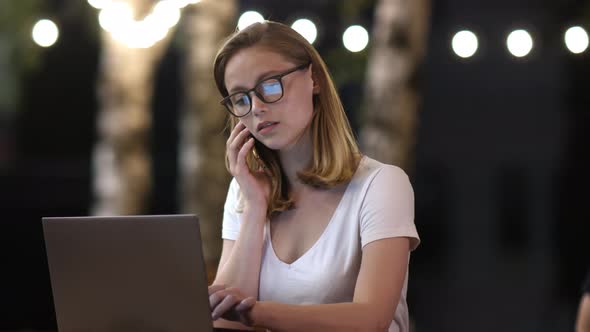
x,y
296,159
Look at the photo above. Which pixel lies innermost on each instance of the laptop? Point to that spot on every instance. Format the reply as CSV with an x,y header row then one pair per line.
x,y
128,273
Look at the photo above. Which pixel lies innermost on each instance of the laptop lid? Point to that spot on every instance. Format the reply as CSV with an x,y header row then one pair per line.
x,y
127,273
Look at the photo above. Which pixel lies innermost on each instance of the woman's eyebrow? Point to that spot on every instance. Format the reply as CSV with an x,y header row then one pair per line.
x,y
260,78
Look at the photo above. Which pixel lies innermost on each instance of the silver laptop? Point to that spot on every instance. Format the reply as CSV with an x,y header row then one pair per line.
x,y
131,273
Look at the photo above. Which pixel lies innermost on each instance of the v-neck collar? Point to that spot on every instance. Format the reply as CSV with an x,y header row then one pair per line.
x,y
323,235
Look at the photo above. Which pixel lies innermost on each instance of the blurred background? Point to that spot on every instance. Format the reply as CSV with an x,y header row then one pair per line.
x,y
110,108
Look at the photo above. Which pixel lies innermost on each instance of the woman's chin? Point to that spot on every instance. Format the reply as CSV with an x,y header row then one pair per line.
x,y
280,144
274,147
270,144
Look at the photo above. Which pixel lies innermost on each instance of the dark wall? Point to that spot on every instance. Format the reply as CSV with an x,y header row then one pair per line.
x,y
500,176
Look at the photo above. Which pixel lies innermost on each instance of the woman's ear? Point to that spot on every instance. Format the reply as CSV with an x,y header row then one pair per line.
x,y
316,87
315,79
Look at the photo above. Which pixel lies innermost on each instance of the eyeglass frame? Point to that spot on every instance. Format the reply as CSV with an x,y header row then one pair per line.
x,y
279,77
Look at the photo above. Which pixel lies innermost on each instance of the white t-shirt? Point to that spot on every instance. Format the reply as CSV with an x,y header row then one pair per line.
x,y
378,203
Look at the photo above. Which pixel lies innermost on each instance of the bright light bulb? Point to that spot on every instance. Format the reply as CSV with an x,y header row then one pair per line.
x,y
306,28
115,16
165,13
576,40
248,18
355,38
45,33
149,34
520,43
465,44
99,4
184,3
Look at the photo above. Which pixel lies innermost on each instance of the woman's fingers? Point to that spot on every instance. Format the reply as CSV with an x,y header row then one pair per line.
x,y
237,135
236,145
241,160
215,298
218,293
240,139
246,304
226,304
235,131
232,136
230,304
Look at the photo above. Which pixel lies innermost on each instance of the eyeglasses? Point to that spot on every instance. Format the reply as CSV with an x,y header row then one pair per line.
x,y
270,90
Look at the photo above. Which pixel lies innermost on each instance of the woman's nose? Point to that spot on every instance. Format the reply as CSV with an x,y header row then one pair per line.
x,y
258,105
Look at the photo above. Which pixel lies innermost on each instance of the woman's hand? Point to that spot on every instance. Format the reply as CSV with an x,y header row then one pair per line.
x,y
230,304
255,186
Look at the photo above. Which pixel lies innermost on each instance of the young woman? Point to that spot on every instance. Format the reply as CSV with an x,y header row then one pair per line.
x,y
316,236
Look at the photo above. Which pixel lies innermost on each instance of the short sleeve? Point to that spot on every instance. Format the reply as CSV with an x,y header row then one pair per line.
x,y
388,208
231,221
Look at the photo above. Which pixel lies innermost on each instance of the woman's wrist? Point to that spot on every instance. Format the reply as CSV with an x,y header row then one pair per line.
x,y
257,314
255,212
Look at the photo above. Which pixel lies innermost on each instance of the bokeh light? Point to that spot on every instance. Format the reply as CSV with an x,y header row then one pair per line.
x,y
519,43
99,4
306,28
115,16
249,17
576,39
165,13
355,38
45,33
465,44
183,3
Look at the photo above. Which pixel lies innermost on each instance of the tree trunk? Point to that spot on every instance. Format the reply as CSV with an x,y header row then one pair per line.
x,y
122,164
203,177
392,100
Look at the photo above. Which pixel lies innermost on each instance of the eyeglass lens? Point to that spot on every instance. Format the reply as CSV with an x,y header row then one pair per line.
x,y
270,91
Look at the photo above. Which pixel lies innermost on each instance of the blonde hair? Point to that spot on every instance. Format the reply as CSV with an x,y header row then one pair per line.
x,y
335,151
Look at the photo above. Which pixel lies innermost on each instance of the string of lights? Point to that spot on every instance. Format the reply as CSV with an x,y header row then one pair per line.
x,y
519,42
117,18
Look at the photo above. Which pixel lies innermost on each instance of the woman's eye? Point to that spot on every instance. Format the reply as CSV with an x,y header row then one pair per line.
x,y
241,101
271,88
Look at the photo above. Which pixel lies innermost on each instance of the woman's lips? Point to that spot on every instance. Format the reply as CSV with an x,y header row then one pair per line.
x,y
266,127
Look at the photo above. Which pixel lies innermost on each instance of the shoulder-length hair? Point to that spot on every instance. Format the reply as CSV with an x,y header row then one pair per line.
x,y
335,151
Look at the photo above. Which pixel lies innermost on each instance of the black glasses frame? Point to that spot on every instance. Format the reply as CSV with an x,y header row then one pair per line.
x,y
227,100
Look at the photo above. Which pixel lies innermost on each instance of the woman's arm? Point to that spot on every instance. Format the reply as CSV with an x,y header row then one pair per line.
x,y
583,319
377,293
239,265
240,260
